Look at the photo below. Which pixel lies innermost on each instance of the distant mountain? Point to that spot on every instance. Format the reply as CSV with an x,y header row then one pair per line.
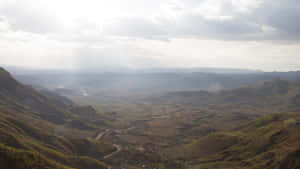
x,y
28,70
158,80
276,95
199,70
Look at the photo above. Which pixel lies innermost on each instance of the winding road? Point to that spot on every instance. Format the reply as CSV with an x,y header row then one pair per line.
x,y
118,147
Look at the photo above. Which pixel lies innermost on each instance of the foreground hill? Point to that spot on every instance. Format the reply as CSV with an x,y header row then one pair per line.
x,y
271,141
47,131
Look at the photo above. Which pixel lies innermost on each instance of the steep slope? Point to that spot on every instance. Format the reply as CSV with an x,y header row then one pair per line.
x,y
24,98
38,130
44,104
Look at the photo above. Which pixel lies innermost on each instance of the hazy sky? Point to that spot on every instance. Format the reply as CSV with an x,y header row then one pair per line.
x,y
255,34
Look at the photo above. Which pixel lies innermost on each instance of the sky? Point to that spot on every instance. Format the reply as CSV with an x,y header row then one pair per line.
x,y
137,34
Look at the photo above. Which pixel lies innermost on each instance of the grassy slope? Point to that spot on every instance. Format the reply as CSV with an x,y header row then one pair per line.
x,y
271,141
36,130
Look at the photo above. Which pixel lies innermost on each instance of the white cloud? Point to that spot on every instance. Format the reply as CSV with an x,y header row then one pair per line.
x,y
143,33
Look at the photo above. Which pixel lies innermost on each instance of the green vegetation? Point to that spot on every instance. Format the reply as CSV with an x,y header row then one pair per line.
x,y
13,158
263,143
248,127
47,131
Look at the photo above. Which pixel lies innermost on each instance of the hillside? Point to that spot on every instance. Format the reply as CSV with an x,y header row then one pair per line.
x,y
47,131
254,126
271,141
